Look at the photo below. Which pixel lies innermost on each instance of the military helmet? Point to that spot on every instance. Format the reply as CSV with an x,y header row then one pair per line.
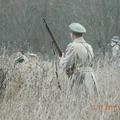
x,y
78,28
115,39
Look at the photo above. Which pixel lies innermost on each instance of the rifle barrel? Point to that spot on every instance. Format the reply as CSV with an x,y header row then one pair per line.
x,y
52,37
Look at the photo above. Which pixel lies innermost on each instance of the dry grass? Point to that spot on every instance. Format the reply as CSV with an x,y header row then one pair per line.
x,y
32,93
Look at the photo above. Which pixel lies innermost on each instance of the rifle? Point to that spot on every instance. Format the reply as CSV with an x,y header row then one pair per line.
x,y
52,37
56,45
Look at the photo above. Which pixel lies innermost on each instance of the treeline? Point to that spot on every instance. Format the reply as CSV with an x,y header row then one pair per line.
x,y
21,26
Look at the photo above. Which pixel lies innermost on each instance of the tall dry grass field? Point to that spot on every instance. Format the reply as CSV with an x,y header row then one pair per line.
x,y
30,92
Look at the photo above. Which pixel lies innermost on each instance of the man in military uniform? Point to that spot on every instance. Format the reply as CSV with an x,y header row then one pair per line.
x,y
115,43
77,61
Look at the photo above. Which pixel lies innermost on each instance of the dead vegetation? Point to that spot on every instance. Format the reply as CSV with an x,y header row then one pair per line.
x,y
30,92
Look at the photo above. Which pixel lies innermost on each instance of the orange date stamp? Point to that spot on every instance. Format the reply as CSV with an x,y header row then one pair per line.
x,y
105,107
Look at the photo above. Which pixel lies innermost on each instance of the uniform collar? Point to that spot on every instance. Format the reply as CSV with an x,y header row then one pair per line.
x,y
79,40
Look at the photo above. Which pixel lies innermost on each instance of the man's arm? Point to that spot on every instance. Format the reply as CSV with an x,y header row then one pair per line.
x,y
67,60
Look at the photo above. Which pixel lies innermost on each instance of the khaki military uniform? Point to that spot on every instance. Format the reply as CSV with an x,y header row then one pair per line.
x,y
116,51
78,60
115,56
115,44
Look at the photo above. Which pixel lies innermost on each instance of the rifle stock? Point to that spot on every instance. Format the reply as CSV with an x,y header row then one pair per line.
x,y
52,37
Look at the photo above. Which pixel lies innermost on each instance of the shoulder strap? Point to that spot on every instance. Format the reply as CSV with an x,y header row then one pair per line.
x,y
89,52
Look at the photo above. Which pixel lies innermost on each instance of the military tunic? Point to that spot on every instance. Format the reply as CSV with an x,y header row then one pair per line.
x,y
79,56
116,51
115,44
115,56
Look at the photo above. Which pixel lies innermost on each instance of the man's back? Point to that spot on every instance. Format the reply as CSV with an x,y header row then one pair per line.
x,y
78,53
77,63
